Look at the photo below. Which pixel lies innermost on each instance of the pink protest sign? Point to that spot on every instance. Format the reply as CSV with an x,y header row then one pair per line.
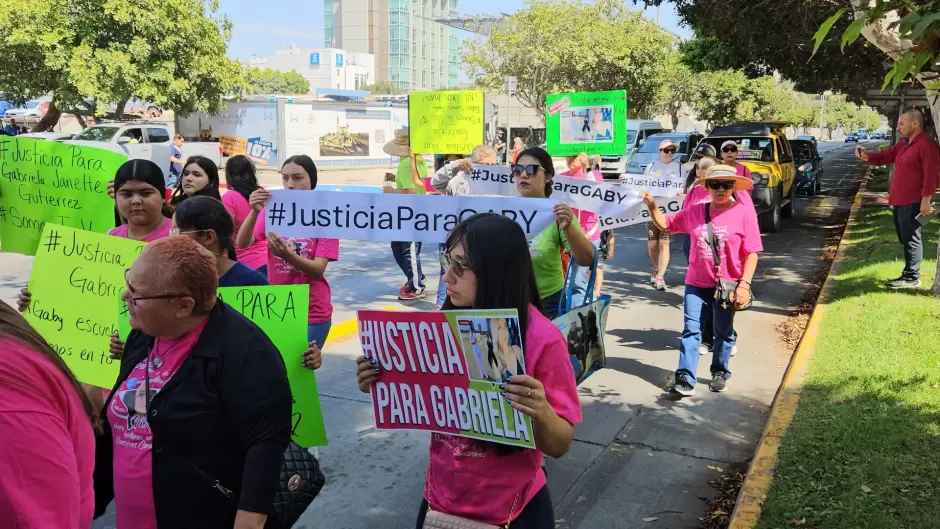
x,y
440,372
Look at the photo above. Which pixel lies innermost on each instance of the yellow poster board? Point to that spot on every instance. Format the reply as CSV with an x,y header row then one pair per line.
x,y
232,146
445,122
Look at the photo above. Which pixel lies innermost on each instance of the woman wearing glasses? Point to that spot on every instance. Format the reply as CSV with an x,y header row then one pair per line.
x,y
488,267
533,175
738,243
200,414
657,239
729,157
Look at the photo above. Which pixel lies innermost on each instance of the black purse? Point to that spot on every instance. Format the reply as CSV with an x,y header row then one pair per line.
x,y
724,289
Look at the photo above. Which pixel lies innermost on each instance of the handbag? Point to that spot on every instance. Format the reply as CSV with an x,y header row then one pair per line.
x,y
583,327
724,289
439,520
299,482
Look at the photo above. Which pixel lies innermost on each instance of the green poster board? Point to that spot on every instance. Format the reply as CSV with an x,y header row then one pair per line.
x,y
589,122
50,182
448,121
281,312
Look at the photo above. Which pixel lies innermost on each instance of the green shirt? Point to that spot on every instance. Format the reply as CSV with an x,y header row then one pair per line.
x,y
403,178
546,258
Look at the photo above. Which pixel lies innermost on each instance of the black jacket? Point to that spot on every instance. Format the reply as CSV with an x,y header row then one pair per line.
x,y
226,412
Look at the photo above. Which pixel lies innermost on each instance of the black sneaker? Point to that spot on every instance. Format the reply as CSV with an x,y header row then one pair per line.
x,y
902,283
719,382
683,387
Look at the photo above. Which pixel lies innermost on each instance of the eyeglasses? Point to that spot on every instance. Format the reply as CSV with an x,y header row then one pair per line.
x,y
177,231
727,185
448,262
729,149
668,151
529,170
134,299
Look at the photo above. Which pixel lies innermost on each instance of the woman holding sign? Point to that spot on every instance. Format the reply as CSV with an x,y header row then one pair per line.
x,y
533,174
295,261
488,267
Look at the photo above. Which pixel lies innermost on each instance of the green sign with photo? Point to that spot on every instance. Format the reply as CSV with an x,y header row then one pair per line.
x,y
588,122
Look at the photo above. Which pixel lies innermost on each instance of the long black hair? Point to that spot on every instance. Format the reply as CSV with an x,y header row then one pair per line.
x,y
498,254
207,213
307,164
545,160
211,189
139,170
240,175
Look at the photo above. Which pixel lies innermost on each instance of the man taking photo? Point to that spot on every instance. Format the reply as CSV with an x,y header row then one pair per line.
x,y
916,160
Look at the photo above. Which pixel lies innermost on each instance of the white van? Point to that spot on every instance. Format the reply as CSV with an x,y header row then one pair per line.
x,y
637,131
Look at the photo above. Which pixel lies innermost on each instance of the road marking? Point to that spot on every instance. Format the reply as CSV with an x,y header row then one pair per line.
x,y
349,327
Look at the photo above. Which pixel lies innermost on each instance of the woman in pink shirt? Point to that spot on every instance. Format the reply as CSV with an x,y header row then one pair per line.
x,y
241,181
488,267
737,238
47,444
580,167
295,261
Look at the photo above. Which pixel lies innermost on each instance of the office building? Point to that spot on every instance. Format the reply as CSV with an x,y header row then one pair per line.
x,y
325,68
411,50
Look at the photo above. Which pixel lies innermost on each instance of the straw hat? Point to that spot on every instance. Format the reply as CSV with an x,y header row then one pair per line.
x,y
398,146
725,173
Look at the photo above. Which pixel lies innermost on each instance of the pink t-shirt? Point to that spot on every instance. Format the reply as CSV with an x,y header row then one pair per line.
x,y
738,235
159,233
133,440
588,219
256,255
47,447
281,273
461,469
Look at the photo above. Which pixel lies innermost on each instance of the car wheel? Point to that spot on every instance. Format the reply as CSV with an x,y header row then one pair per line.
x,y
769,222
790,209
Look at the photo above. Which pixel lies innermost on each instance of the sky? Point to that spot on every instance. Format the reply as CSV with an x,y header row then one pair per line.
x,y
259,30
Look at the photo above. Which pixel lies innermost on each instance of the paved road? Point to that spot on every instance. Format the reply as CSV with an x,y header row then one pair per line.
x,y
637,454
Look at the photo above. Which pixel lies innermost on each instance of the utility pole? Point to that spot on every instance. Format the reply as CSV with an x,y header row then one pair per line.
x,y
510,91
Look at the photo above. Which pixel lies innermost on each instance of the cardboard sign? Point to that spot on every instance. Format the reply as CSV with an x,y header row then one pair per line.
x,y
392,217
76,281
449,121
281,312
593,123
232,146
50,182
441,372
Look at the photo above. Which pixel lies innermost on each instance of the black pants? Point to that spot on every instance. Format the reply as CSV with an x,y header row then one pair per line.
x,y
537,514
910,236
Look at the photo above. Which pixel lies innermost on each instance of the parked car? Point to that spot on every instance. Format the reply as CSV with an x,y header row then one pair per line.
x,y
809,168
127,136
763,148
649,149
32,110
4,104
851,137
809,138
637,131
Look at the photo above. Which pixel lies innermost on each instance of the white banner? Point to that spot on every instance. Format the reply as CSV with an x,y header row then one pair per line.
x,y
658,183
392,217
639,214
604,199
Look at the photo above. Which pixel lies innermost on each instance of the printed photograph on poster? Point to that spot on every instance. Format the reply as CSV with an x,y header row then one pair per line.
x,y
587,124
583,329
341,142
441,371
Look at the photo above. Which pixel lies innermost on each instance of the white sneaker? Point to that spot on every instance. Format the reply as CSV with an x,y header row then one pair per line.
x,y
703,350
734,350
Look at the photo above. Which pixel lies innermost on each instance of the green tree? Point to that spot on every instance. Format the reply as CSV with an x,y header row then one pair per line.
x,y
719,94
268,81
547,47
382,88
171,52
678,88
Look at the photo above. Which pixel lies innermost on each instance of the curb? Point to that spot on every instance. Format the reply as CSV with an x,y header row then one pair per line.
x,y
749,504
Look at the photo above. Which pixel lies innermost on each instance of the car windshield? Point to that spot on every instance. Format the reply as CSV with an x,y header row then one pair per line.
x,y
802,150
32,104
631,137
652,143
749,148
97,134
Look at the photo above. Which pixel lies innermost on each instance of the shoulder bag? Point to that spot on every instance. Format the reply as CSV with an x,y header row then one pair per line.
x,y
438,520
724,289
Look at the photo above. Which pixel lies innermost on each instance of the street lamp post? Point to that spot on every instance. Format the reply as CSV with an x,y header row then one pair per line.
x,y
511,82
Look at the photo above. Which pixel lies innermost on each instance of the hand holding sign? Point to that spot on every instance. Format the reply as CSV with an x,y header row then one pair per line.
x,y
528,396
367,372
258,198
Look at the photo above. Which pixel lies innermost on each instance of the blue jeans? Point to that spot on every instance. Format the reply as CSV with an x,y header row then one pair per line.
x,y
550,304
408,257
910,234
686,245
698,302
441,286
318,332
579,288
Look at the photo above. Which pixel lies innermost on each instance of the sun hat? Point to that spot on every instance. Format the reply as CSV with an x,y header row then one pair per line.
x,y
725,173
399,146
666,143
729,142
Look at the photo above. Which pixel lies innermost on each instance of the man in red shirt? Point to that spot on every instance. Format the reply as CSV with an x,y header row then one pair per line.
x,y
916,160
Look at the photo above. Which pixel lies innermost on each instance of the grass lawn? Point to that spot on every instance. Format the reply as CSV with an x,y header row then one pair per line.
x,y
863,451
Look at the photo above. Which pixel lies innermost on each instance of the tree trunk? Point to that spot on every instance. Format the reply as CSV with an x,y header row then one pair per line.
x,y
50,119
119,109
675,119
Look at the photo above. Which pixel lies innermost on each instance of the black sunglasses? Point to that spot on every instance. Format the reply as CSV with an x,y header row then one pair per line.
x,y
730,149
727,185
529,170
668,151
448,262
